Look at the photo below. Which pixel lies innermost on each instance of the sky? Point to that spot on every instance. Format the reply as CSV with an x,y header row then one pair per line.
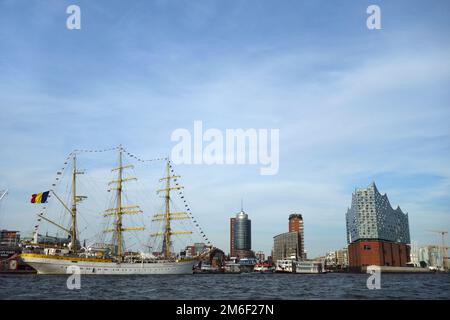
x,y
352,106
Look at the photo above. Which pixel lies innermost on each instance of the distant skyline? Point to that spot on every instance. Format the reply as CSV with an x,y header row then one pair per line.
x,y
352,106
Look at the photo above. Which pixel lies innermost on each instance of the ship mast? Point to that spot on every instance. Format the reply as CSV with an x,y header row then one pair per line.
x,y
119,206
120,210
167,216
73,239
166,243
75,200
72,231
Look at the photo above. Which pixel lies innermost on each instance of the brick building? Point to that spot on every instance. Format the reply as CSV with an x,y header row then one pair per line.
x,y
377,234
378,252
296,225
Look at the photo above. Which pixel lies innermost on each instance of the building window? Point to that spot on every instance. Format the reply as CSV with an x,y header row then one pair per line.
x,y
366,247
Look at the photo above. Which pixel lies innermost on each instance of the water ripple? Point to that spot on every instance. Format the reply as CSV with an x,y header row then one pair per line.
x,y
228,286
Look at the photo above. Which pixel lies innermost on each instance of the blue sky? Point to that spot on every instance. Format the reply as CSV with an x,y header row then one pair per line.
x,y
353,105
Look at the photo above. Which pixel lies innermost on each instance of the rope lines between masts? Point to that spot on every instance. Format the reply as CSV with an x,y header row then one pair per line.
x,y
60,174
143,160
187,207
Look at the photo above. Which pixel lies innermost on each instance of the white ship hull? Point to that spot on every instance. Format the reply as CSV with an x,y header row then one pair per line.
x,y
307,267
46,265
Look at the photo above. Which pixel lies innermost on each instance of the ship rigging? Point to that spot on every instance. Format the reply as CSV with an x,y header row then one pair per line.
x,y
116,260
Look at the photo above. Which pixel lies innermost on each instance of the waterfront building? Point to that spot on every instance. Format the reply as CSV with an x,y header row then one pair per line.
x,y
260,256
48,240
241,236
330,259
286,246
244,254
9,246
247,264
342,258
414,259
377,234
216,258
296,225
242,232
337,260
320,259
9,238
290,245
232,221
196,249
431,256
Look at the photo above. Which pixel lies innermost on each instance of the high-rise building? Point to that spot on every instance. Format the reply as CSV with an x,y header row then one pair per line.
x,y
242,232
286,246
241,236
290,245
296,225
376,233
232,253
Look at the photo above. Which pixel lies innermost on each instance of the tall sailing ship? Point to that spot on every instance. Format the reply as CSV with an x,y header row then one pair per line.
x,y
116,260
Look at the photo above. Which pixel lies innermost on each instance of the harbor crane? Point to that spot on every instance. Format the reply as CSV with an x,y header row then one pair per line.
x,y
3,194
444,248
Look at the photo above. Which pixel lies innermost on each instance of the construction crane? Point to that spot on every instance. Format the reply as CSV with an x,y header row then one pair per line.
x,y
444,248
3,193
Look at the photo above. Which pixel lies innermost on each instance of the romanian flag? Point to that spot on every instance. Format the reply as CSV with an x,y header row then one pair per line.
x,y
40,197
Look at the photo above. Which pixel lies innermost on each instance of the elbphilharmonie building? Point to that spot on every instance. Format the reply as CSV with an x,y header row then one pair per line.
x,y
377,234
372,217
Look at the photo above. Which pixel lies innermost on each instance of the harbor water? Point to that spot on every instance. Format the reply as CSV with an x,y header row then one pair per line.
x,y
228,286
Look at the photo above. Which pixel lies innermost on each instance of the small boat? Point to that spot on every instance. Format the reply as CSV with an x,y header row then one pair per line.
x,y
263,268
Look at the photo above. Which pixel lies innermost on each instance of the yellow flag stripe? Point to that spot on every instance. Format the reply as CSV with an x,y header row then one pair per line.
x,y
38,198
